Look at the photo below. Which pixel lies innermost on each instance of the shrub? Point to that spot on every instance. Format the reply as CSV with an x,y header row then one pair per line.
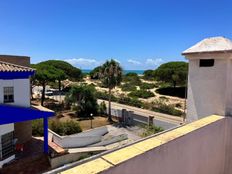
x,y
149,130
148,75
84,98
105,96
128,87
130,101
65,128
61,128
132,78
148,86
37,127
160,106
163,98
141,94
102,108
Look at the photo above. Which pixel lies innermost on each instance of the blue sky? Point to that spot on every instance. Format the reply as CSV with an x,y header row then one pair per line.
x,y
140,34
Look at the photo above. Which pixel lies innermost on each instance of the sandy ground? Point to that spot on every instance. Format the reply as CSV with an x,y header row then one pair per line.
x,y
118,92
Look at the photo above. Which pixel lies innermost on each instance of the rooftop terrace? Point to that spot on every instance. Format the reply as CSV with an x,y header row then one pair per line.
x,y
202,147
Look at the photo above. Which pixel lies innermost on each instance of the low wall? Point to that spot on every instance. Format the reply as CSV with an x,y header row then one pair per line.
x,y
100,131
202,147
65,159
78,140
199,152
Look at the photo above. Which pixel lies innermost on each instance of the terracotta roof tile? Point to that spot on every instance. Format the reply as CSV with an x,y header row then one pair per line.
x,y
9,67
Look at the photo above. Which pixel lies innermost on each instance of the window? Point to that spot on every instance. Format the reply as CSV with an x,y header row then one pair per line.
x,y
7,145
8,94
206,62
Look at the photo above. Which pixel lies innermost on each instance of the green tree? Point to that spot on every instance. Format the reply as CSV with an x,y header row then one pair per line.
x,y
172,72
72,72
95,73
148,75
45,74
111,76
132,78
84,96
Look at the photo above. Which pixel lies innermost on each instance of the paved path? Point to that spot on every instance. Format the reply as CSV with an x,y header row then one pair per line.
x,y
164,120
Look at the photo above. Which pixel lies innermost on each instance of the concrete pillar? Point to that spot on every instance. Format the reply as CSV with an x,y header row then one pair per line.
x,y
150,120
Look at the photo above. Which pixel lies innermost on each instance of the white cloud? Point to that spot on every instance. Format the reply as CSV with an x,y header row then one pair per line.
x,y
134,62
154,62
82,61
117,60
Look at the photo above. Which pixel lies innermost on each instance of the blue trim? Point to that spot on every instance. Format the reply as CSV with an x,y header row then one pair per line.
x,y
16,75
14,114
45,124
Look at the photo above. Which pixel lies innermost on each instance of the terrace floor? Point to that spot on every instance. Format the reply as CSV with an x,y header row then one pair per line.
x,y
31,161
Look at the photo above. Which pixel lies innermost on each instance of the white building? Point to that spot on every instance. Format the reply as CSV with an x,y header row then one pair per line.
x,y
210,78
16,111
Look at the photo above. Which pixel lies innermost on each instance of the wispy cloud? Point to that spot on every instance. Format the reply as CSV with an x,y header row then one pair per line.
x,y
117,60
134,62
83,62
154,62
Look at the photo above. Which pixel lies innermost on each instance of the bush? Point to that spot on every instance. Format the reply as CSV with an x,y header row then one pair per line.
x,y
141,94
132,78
65,128
83,97
148,75
160,106
128,87
105,96
37,127
102,108
149,130
176,92
61,128
148,86
130,101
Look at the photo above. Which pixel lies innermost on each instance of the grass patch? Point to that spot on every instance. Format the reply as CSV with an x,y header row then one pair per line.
x,y
141,94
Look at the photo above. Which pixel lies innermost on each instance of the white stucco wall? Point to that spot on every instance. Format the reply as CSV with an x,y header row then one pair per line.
x,y
21,98
21,91
75,140
209,88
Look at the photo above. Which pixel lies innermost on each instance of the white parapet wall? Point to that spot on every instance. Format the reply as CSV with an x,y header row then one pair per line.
x,y
78,140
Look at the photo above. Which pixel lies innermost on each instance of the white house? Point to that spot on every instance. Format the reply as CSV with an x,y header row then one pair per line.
x,y
209,78
16,111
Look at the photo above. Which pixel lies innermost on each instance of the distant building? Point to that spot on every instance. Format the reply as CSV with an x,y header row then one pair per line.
x,y
16,111
210,78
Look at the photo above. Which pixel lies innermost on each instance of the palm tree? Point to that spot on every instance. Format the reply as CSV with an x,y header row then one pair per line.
x,y
111,76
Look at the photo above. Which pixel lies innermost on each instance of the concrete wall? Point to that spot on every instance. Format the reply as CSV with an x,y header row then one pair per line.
x,y
21,91
100,131
84,139
65,159
209,88
23,131
201,151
